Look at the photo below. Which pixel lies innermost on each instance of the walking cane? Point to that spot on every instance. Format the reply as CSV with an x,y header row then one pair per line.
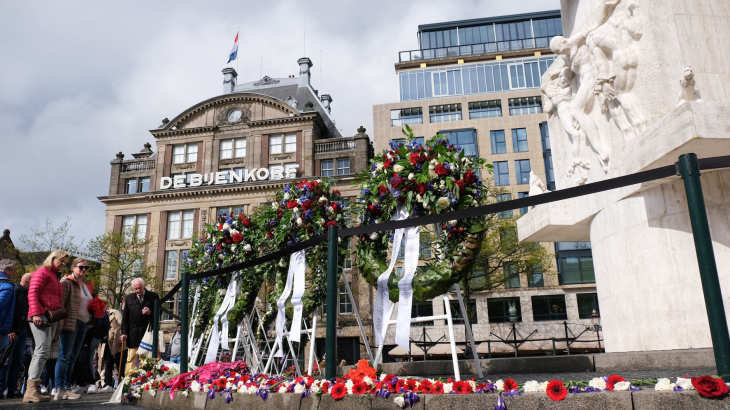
x,y
121,356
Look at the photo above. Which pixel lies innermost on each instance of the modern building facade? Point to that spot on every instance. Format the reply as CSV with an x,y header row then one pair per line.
x,y
478,82
228,154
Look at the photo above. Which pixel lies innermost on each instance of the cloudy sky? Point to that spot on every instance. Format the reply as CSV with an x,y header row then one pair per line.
x,y
82,80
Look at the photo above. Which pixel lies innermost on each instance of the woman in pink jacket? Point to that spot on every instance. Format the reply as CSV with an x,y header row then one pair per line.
x,y
44,295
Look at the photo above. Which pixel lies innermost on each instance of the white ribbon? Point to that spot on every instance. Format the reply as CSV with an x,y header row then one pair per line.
x,y
191,329
297,261
214,341
224,318
405,288
382,301
281,314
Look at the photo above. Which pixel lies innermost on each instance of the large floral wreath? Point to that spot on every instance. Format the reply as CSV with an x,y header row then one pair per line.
x,y
427,179
303,210
232,240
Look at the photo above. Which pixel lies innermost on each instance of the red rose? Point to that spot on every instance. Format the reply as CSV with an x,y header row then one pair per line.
x,y
220,227
338,391
470,178
415,158
372,210
421,188
336,207
246,222
510,384
330,223
291,204
382,189
396,180
613,379
237,237
336,192
441,170
388,163
307,205
462,187
709,386
556,390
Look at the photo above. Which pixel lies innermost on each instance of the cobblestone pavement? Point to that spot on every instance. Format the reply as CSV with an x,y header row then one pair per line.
x,y
87,401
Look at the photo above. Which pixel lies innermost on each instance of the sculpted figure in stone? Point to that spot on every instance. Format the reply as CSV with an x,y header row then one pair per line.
x,y
559,98
613,38
575,54
537,187
687,91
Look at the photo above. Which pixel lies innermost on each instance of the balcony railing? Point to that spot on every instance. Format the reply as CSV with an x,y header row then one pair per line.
x,y
457,51
138,166
334,146
406,121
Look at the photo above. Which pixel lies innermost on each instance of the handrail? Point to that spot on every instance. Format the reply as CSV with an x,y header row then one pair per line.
x,y
472,49
138,166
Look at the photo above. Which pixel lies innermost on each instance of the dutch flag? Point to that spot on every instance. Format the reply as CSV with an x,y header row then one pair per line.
x,y
234,50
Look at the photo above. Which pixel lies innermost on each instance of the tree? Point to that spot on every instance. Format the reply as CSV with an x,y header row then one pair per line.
x,y
503,259
122,257
41,242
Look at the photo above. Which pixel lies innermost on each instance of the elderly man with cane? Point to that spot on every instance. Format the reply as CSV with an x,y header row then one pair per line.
x,y
136,315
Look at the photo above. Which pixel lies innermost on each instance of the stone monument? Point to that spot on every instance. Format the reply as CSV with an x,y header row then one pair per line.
x,y
623,96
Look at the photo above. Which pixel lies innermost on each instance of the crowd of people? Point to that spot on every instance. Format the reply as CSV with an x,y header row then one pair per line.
x,y
59,340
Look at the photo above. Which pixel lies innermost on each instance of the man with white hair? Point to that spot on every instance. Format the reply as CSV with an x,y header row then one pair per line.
x,y
136,315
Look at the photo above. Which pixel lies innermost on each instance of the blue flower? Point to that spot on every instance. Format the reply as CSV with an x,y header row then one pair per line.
x,y
411,399
500,403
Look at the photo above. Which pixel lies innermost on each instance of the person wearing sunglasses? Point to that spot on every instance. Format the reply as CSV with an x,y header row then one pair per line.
x,y
77,294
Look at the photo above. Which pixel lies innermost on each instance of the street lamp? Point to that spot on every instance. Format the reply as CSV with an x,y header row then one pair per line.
x,y
512,314
596,322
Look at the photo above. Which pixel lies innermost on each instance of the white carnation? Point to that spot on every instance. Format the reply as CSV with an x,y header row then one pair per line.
x,y
282,389
379,166
685,384
499,384
383,376
323,200
286,195
226,226
275,205
367,380
448,387
299,389
195,386
315,389
543,386
299,221
247,248
349,385
664,384
252,389
598,383
532,386
400,401
622,386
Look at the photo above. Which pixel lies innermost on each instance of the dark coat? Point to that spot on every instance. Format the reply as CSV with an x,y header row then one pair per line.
x,y
134,323
21,308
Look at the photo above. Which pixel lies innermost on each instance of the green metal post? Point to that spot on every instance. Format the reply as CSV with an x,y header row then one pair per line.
x,y
489,349
155,328
330,368
690,172
184,325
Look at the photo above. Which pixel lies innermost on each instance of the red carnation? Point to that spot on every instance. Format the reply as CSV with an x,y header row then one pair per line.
x,y
382,189
462,187
510,384
612,380
359,388
291,204
325,387
438,388
709,386
237,237
338,391
470,178
556,390
441,170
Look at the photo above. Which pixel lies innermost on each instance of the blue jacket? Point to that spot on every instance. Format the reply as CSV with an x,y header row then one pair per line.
x,y
7,304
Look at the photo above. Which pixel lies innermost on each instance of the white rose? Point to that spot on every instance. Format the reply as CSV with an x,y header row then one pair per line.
x,y
434,162
419,198
221,256
443,202
315,390
499,384
185,393
233,248
685,384
388,156
411,176
400,401
398,168
299,389
432,174
597,383
367,380
373,236
664,384
377,221
299,221
286,195
532,386
234,231
247,248
622,386
448,387
282,389
330,209
226,226
379,166
453,222
319,181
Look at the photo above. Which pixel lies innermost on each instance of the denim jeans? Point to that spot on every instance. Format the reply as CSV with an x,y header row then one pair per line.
x,y
10,370
92,352
175,359
69,347
43,336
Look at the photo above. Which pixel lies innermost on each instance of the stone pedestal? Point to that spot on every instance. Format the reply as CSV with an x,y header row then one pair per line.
x,y
622,100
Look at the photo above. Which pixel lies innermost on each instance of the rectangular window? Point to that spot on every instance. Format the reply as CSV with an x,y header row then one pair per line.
x,y
290,143
524,195
485,109
171,263
141,227
499,142
422,309
525,106
131,186
128,225
535,279
466,139
144,184
519,139
503,198
240,146
192,155
576,269
169,305
187,224
406,116
275,144
522,168
343,166
479,279
511,276
327,167
444,113
456,315
425,240
178,154
587,303
498,310
226,149
348,257
550,307
345,302
173,225
501,173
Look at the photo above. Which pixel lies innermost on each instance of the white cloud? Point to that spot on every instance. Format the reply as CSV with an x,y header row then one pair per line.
x,y
83,80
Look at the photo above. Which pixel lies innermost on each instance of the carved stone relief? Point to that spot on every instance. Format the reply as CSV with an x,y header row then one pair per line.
x,y
537,187
222,114
178,244
265,81
687,91
181,167
203,216
233,161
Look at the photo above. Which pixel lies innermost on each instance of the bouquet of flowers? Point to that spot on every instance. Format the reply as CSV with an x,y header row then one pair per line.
x,y
425,179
